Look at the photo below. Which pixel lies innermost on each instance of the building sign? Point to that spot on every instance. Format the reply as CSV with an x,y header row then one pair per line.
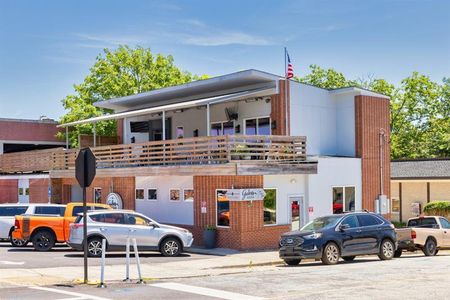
x,y
245,194
203,207
114,200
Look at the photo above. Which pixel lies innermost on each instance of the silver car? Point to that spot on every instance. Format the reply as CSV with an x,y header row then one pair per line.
x,y
117,225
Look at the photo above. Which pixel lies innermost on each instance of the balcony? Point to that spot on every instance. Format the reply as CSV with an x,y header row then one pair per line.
x,y
231,154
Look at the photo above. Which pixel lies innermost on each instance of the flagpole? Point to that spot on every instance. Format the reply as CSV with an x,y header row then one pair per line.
x,y
285,92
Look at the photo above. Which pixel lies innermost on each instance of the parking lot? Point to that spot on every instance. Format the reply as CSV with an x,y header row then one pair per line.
x,y
413,276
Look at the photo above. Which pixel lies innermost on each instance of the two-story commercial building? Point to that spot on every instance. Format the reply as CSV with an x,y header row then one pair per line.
x,y
248,152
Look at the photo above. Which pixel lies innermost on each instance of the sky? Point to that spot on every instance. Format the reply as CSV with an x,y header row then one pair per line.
x,y
48,46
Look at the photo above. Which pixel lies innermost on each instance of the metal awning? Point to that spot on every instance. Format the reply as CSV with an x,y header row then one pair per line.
x,y
199,102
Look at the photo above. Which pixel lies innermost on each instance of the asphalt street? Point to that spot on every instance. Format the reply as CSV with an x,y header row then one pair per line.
x,y
409,277
63,255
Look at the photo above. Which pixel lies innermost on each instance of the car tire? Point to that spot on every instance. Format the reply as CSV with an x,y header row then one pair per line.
x,y
170,247
43,240
398,253
387,250
95,247
292,262
15,242
331,254
429,249
348,258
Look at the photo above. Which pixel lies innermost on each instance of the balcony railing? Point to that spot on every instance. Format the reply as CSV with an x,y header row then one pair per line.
x,y
186,151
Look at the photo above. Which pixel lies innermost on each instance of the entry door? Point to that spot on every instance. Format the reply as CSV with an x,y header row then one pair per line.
x,y
24,191
297,212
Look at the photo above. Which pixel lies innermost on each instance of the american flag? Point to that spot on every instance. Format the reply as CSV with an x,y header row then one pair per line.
x,y
289,68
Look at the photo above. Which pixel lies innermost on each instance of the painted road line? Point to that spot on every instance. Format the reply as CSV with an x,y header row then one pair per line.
x,y
6,262
77,295
204,291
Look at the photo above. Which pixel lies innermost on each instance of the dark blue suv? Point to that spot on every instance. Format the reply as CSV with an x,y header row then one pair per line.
x,y
344,235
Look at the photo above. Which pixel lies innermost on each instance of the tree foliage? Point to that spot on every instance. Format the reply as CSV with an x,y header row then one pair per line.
x,y
117,73
420,110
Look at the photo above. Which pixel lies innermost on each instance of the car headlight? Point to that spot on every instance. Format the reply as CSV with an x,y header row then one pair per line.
x,y
313,236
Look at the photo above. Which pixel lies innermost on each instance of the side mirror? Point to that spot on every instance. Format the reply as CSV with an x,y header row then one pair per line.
x,y
343,227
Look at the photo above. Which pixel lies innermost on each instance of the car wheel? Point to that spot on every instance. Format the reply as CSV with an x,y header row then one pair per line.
x,y
95,247
398,253
18,243
43,240
170,247
331,254
430,247
292,262
387,249
348,258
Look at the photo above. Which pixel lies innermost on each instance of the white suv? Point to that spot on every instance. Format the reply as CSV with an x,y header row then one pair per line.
x,y
8,212
116,226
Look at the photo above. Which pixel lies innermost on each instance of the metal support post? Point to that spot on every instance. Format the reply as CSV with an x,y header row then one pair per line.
x,y
138,261
102,270
127,254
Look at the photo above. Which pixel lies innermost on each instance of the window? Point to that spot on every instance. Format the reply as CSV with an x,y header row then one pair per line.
x,y
139,126
223,208
188,195
27,191
152,194
12,211
445,223
21,191
97,195
258,126
222,128
368,220
49,210
114,218
423,222
175,195
270,207
343,199
138,220
180,132
79,209
140,194
351,221
395,205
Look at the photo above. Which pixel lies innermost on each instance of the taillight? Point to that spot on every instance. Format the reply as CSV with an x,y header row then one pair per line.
x,y
76,225
413,234
16,224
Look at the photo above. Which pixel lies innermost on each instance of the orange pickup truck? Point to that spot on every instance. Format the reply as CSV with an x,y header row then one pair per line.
x,y
46,230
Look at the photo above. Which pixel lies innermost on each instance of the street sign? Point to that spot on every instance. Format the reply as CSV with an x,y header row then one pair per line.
x,y
85,174
85,167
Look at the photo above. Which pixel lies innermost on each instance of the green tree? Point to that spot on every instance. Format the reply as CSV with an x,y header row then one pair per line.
x,y
117,73
325,78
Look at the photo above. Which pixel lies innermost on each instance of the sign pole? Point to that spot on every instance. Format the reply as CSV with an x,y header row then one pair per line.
x,y
85,237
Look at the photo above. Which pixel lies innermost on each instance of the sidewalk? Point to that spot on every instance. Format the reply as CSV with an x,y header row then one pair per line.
x,y
215,265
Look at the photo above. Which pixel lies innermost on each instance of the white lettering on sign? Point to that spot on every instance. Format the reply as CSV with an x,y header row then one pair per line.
x,y
245,194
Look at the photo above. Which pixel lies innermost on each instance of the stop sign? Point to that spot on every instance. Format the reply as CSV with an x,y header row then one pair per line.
x,y
85,167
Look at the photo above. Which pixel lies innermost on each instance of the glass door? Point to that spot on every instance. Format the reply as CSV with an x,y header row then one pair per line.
x,y
297,212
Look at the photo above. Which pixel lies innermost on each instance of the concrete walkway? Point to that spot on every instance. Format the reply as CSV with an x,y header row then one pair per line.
x,y
210,266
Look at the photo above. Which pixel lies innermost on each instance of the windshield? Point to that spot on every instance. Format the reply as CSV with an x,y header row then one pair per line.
x,y
321,223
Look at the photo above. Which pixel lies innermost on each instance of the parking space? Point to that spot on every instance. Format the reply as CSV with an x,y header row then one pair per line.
x,y
62,255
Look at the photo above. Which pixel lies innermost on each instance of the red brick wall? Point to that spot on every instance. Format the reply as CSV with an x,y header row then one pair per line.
x,y
124,186
247,230
9,190
28,131
278,113
372,114
39,190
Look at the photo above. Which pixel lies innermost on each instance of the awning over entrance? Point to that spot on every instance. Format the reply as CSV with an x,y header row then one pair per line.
x,y
199,102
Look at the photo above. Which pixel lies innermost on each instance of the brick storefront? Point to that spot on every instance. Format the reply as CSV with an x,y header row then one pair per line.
x,y
8,191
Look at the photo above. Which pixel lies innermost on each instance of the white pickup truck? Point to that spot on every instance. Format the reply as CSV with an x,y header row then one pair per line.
x,y
428,233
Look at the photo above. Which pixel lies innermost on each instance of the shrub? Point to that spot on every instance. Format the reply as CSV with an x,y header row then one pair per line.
x,y
437,208
399,224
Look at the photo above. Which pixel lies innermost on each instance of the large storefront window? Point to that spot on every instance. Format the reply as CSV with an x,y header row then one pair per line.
x,y
343,199
223,208
270,207
257,126
222,128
